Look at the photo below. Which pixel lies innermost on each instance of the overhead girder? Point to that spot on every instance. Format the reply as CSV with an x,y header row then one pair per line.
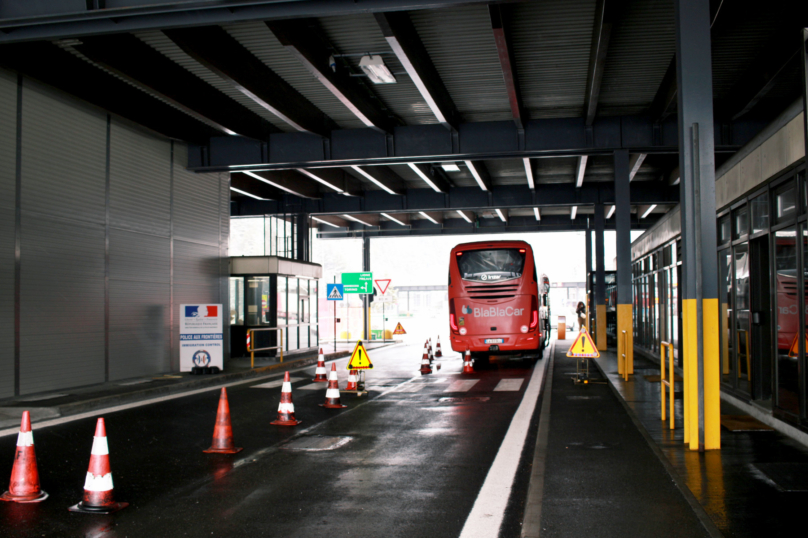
x,y
403,39
505,53
606,16
475,142
304,40
466,199
219,52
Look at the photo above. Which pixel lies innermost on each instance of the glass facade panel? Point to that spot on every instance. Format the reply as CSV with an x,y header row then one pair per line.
x,y
741,221
257,301
743,356
293,307
785,202
787,312
725,313
236,300
760,213
724,230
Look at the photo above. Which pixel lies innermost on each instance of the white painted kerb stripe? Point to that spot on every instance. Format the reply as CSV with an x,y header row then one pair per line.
x,y
100,447
489,508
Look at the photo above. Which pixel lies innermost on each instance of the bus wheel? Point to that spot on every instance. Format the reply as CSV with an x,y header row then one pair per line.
x,y
482,361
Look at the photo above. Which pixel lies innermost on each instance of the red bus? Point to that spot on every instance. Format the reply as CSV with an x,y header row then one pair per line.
x,y
497,304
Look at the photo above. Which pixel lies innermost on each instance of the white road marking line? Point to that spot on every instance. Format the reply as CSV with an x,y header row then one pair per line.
x,y
508,385
462,386
275,384
488,511
314,386
411,387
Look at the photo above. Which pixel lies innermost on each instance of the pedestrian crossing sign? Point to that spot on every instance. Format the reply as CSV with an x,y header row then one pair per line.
x,y
359,359
335,292
399,330
583,346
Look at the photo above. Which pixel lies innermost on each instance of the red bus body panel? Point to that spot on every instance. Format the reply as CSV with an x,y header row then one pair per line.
x,y
497,309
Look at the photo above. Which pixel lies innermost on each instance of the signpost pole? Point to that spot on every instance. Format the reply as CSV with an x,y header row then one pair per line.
x,y
335,320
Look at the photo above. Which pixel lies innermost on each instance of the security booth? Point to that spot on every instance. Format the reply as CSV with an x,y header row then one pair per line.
x,y
268,292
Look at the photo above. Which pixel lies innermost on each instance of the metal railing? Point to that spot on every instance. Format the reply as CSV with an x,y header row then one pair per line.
x,y
664,382
252,350
623,359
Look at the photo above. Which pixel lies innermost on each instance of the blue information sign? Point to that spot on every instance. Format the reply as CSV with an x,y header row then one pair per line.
x,y
335,292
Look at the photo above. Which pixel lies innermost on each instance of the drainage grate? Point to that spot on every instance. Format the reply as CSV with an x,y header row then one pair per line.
x,y
464,399
316,443
787,477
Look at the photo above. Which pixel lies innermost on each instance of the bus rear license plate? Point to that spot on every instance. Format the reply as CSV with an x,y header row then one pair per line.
x,y
494,340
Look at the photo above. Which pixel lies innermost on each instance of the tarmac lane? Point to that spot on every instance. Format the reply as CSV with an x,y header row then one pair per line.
x,y
409,459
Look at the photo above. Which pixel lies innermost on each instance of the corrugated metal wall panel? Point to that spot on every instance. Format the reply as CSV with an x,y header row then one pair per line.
x,y
359,34
139,325
257,38
8,160
140,168
551,45
138,257
62,301
640,50
461,45
160,42
63,155
196,202
197,265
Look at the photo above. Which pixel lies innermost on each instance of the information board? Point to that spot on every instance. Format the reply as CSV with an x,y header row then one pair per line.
x,y
201,336
358,283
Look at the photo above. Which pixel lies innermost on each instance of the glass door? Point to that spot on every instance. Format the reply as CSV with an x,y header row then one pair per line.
x,y
743,351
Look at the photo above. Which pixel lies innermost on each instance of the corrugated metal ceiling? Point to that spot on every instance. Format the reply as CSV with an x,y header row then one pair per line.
x,y
461,45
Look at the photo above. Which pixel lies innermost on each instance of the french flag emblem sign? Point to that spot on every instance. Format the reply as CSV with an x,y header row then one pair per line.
x,y
207,311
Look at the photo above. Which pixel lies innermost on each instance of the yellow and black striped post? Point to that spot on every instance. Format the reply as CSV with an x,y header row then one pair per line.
x,y
625,323
702,395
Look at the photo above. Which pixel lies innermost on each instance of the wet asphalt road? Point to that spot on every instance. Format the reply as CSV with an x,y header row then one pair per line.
x,y
411,463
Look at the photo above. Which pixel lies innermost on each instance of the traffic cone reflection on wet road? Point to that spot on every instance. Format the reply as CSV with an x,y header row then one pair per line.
x,y
286,409
438,352
352,384
223,432
24,485
320,373
467,369
332,392
98,489
425,368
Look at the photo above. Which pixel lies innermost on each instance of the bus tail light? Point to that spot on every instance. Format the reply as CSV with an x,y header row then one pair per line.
x,y
452,319
534,313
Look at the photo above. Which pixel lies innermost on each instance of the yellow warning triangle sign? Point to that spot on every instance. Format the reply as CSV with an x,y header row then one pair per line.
x,y
794,350
359,359
399,329
583,346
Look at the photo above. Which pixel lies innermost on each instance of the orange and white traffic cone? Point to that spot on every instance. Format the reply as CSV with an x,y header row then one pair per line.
x,y
332,392
286,409
425,367
467,369
98,489
352,383
24,486
320,375
223,432
431,356
438,352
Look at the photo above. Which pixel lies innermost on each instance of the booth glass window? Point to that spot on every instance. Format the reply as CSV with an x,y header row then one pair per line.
x,y
742,318
787,312
725,314
741,222
760,213
723,230
281,294
785,202
293,321
315,314
236,300
257,301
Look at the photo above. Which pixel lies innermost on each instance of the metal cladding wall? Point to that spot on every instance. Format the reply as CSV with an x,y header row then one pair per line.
x,y
114,234
8,149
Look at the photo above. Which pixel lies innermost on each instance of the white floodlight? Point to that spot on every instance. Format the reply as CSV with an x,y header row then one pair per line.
x,y
377,72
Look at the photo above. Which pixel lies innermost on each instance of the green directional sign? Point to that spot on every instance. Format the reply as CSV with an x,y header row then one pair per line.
x,y
358,282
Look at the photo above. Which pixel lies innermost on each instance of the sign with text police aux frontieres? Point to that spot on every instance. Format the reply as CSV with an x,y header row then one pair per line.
x,y
201,336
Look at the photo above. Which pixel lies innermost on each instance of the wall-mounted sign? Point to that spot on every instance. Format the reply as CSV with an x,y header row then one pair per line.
x,y
201,336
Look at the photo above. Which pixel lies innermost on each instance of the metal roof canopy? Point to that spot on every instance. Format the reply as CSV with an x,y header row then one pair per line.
x,y
529,100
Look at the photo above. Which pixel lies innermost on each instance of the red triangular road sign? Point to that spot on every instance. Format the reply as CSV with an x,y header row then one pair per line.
x,y
382,284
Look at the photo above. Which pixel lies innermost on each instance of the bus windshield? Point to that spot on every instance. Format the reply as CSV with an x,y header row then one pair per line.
x,y
491,265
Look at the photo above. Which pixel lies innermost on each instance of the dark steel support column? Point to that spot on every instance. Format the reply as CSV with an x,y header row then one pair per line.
x,y
803,321
302,247
587,272
625,323
365,302
697,196
600,278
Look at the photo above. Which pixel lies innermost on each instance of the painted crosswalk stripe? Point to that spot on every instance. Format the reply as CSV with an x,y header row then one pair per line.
x,y
275,384
509,385
313,386
462,386
411,387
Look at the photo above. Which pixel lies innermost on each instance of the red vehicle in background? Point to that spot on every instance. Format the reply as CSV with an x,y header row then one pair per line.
x,y
497,304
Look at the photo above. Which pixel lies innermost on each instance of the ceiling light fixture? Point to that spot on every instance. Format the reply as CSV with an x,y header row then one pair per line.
x,y
423,176
325,222
357,220
316,178
529,173
374,180
464,216
377,72
611,212
536,212
476,175
385,215
573,212
427,217
450,167
245,193
500,215
648,211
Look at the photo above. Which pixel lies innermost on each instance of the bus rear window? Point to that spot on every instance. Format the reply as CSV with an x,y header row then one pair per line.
x,y
491,265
